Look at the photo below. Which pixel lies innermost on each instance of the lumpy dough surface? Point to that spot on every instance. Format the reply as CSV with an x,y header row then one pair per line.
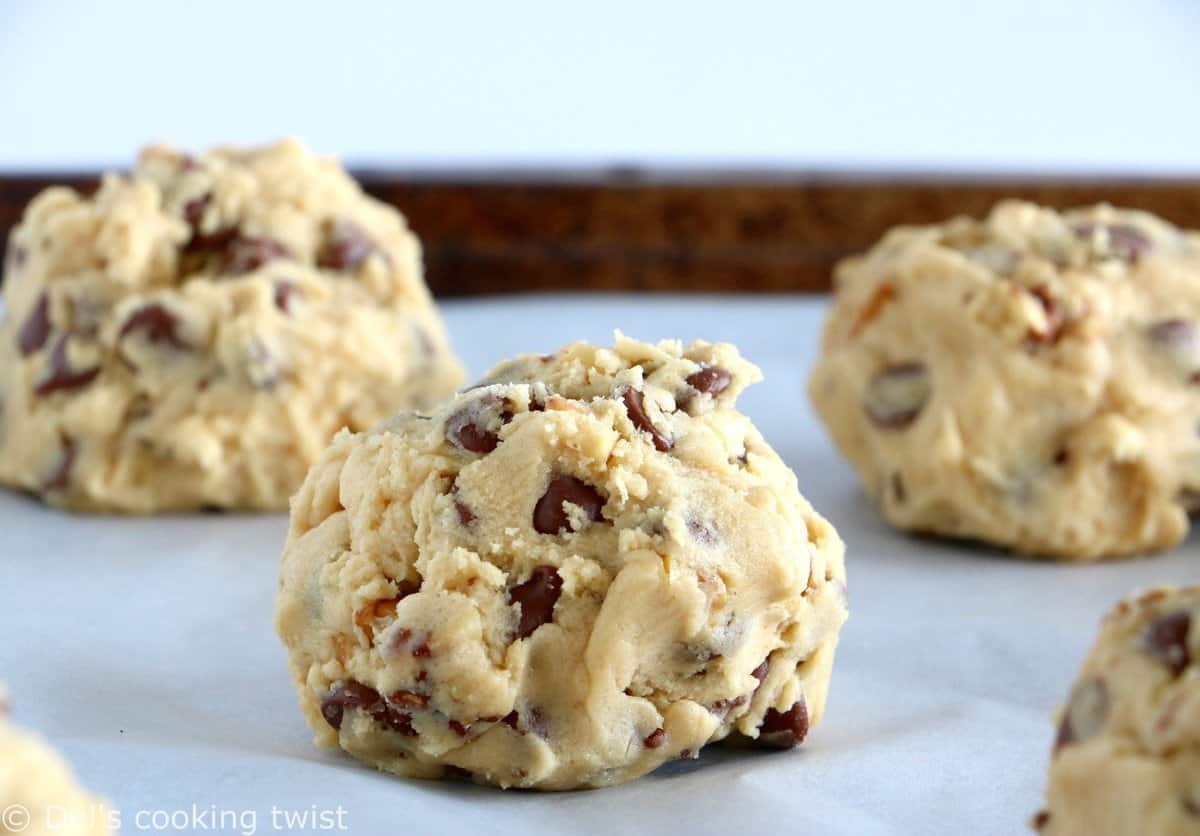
x,y
589,564
195,333
1126,760
38,793
1031,380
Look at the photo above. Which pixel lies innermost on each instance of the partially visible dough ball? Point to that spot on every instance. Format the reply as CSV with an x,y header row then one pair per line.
x,y
195,333
1031,380
586,566
1126,761
38,793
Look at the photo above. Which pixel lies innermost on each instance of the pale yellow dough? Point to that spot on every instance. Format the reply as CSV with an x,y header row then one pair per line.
x,y
565,577
1126,761
1031,380
38,793
195,333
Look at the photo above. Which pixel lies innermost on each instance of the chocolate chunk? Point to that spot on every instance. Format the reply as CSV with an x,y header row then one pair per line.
x,y
1085,714
537,597
896,395
783,730
60,377
346,247
465,515
469,428
391,718
349,694
550,516
285,292
1165,640
156,324
710,380
1125,240
245,254
635,405
1041,819
760,673
60,478
458,728
35,330
655,739
193,213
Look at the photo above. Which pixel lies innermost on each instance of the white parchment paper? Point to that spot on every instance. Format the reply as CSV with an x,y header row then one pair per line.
x,y
144,649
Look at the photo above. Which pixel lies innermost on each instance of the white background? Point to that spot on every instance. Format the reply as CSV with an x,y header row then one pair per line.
x,y
1027,85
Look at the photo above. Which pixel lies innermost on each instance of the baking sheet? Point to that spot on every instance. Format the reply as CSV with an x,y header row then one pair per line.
x,y
144,648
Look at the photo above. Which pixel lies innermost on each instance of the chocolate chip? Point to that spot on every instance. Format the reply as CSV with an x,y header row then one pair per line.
x,y
60,376
1054,317
349,694
536,597
346,247
35,330
510,719
156,324
193,213
245,254
896,395
1041,819
469,428
1165,640
655,739
1125,240
391,718
458,728
285,292
550,514
635,405
466,517
783,730
710,380
760,673
60,478
1085,714
725,706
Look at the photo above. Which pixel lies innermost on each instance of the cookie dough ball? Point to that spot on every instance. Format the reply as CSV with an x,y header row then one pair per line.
x,y
1126,760
1031,380
195,333
38,793
584,567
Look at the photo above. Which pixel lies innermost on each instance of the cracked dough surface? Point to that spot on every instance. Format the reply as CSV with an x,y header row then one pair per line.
x,y
195,333
1031,379
1126,760
586,566
34,780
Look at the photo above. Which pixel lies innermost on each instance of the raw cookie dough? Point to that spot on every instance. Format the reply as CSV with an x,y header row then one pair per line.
x,y
1031,380
586,566
1126,760
195,333
38,793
